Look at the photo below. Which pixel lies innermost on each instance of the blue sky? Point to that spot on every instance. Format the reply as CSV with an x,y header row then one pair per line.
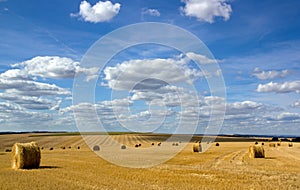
x,y
256,44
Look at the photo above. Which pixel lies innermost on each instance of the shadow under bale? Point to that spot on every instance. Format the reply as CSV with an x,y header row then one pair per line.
x,y
26,156
256,151
96,148
7,150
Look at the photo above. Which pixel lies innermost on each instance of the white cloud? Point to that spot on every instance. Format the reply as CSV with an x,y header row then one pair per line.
x,y
286,87
31,102
52,67
206,10
100,12
296,104
266,75
152,12
157,72
285,116
202,59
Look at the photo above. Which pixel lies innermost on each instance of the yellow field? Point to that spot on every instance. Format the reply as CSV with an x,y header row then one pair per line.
x,y
223,167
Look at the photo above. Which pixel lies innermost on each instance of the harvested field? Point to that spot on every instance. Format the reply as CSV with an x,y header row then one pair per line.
x,y
225,167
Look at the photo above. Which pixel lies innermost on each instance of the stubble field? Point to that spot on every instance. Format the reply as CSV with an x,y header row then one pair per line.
x,y
221,167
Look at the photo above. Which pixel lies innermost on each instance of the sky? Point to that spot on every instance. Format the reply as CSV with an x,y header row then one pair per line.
x,y
251,46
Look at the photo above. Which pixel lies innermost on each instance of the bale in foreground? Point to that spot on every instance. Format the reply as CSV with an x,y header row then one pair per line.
x,y
256,151
26,156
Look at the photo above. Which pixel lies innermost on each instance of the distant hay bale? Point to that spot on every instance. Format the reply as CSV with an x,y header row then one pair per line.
x,y
123,147
256,142
159,144
272,145
63,147
262,143
152,144
278,144
197,147
217,144
78,147
290,144
176,144
96,148
140,144
173,144
69,147
26,156
256,151
7,150
51,148
136,145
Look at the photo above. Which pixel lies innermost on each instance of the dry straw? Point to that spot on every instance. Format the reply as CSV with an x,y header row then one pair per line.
x,y
256,151
197,147
26,156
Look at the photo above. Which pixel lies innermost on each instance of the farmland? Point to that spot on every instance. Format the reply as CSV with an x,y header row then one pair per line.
x,y
221,167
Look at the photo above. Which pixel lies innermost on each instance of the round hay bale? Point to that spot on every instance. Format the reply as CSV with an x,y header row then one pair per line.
x,y
159,144
290,144
176,144
69,147
123,147
140,144
96,148
278,144
51,148
262,143
272,145
26,156
256,151
152,144
78,147
63,147
7,150
217,144
136,146
256,142
173,144
197,147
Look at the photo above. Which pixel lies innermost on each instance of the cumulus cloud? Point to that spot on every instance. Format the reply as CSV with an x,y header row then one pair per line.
x,y
286,87
206,10
31,102
100,12
52,67
296,104
127,74
266,75
285,116
152,12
